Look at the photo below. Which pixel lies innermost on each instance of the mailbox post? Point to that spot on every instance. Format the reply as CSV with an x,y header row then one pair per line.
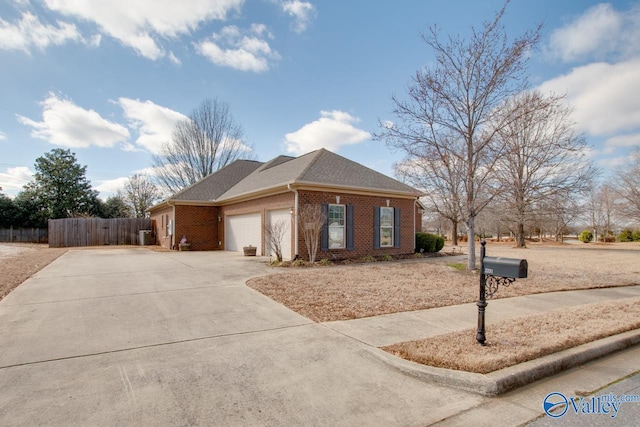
x,y
495,271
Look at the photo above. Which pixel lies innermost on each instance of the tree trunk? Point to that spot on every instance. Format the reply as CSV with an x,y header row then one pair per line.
x,y
454,232
471,231
520,240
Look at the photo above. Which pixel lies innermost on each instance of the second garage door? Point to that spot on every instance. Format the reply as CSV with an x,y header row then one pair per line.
x,y
243,230
282,217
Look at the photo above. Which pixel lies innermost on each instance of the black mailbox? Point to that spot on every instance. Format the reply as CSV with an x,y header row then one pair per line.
x,y
505,267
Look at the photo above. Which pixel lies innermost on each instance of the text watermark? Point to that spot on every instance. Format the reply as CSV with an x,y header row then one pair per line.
x,y
556,404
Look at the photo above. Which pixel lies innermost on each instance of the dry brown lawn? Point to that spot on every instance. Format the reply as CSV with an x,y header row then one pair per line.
x,y
362,290
524,338
19,261
341,293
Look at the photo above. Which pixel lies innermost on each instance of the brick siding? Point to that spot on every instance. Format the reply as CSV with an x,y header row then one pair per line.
x,y
204,225
363,224
160,219
199,224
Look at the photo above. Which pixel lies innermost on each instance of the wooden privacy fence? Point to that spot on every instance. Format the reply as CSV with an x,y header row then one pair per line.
x,y
25,235
96,232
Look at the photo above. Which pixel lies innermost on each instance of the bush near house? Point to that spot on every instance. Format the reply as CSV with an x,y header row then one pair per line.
x,y
431,243
586,236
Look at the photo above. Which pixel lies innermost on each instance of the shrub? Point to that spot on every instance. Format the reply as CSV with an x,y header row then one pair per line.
x,y
369,258
430,243
625,235
636,236
300,263
324,261
585,236
386,257
425,242
439,243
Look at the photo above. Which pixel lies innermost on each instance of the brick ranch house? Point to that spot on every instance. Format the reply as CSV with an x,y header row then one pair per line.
x,y
367,212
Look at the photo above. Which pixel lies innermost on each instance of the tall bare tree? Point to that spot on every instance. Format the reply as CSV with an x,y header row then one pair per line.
x,y
451,108
205,142
542,156
599,210
139,194
628,187
442,183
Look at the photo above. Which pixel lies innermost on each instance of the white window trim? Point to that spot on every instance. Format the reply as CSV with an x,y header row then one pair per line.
x,y
343,227
392,226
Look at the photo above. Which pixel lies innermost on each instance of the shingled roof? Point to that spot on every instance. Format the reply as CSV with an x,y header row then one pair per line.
x,y
320,168
213,186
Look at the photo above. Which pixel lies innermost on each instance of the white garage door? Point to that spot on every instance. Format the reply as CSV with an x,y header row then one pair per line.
x,y
282,218
243,230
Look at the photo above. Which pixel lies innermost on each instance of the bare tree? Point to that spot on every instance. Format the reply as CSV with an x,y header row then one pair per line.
x,y
558,212
628,187
599,210
441,181
139,194
274,233
542,155
451,107
310,221
205,142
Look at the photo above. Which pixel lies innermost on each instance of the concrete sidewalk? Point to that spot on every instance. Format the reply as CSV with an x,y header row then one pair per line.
x,y
389,329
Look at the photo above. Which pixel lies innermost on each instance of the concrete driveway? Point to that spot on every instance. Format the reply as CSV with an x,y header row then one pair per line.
x,y
135,337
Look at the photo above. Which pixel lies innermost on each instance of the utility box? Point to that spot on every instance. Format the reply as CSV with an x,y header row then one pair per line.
x,y
146,238
505,267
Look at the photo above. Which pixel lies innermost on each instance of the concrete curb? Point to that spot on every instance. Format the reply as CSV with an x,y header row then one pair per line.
x,y
503,380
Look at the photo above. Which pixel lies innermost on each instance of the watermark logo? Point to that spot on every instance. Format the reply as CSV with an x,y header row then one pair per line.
x,y
555,404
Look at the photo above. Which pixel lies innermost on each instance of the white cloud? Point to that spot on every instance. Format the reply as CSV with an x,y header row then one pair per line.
x,y
301,11
331,131
141,24
624,141
111,186
153,123
3,136
29,32
245,51
68,125
613,163
14,179
603,95
601,32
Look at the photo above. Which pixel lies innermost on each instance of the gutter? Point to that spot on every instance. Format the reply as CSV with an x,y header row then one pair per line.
x,y
295,219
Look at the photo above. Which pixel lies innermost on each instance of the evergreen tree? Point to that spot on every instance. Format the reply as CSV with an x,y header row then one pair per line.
x,y
61,187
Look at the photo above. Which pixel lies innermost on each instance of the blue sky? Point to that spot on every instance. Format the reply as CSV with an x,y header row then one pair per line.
x,y
109,79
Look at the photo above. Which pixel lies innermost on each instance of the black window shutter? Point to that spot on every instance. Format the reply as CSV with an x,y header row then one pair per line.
x,y
396,225
324,235
376,227
350,230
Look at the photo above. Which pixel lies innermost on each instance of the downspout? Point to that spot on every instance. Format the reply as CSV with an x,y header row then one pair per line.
x,y
415,207
173,232
295,220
